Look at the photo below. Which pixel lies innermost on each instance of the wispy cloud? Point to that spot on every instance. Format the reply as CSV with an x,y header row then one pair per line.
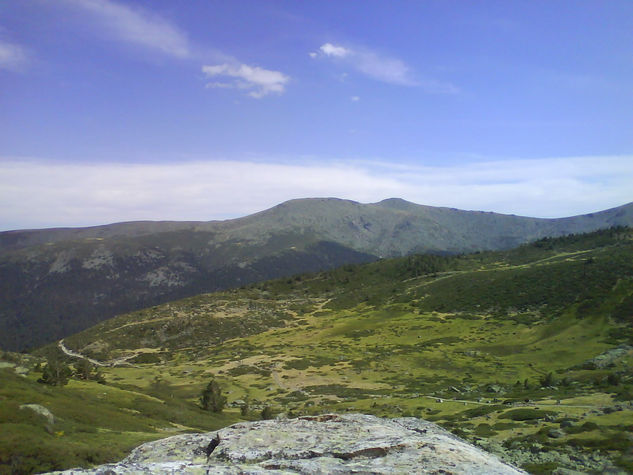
x,y
139,26
380,67
258,81
13,57
39,193
136,25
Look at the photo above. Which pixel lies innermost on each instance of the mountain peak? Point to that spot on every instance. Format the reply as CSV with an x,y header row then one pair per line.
x,y
396,203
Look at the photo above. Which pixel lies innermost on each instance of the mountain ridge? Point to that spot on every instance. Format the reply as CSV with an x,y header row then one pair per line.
x,y
60,281
13,239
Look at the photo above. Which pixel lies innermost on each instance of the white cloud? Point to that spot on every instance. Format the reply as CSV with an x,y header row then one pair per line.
x,y
381,68
260,82
13,57
40,193
329,49
355,98
136,25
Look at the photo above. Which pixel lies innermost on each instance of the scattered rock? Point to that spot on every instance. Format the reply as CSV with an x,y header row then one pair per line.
x,y
494,388
555,433
41,410
608,357
351,443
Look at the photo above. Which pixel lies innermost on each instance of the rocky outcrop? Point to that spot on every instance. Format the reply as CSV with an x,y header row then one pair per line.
x,y
608,357
332,443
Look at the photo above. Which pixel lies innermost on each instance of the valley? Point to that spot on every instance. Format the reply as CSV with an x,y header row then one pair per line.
x,y
527,353
56,282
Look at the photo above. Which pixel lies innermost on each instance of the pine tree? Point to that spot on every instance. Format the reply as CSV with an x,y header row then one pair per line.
x,y
211,398
244,408
84,369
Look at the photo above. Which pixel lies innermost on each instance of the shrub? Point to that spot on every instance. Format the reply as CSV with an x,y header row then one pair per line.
x,y
547,381
526,414
267,413
55,373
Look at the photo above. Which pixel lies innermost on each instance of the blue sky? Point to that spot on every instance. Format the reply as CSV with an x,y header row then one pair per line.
x,y
114,111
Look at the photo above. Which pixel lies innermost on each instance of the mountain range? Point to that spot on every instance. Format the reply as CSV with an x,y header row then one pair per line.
x,y
55,282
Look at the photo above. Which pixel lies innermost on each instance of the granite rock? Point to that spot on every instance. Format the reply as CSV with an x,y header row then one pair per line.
x,y
326,444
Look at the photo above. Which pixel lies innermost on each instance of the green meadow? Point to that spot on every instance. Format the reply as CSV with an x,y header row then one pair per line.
x,y
527,353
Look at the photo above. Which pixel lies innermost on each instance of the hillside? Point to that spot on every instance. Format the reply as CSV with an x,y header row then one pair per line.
x,y
526,352
57,282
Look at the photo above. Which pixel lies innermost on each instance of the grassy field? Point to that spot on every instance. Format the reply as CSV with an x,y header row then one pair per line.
x,y
89,423
526,353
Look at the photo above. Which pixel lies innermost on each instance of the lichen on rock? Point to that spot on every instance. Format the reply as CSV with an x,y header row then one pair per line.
x,y
332,443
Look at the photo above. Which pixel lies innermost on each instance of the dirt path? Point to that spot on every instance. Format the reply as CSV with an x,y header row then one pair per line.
x,y
443,399
276,378
74,354
518,404
142,322
115,362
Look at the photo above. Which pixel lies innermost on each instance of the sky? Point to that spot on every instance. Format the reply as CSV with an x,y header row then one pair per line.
x,y
115,110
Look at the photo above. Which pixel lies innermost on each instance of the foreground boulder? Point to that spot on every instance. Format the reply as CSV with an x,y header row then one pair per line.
x,y
332,443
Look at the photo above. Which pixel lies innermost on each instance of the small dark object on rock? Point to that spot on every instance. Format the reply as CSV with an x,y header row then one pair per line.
x,y
212,445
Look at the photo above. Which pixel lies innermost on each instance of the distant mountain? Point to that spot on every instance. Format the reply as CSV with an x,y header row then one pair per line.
x,y
54,282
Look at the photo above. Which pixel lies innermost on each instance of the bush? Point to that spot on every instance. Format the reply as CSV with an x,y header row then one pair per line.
x,y
526,414
147,358
547,381
55,373
267,413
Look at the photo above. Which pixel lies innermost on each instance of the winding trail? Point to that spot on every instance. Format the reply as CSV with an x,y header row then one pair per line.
x,y
119,361
74,354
